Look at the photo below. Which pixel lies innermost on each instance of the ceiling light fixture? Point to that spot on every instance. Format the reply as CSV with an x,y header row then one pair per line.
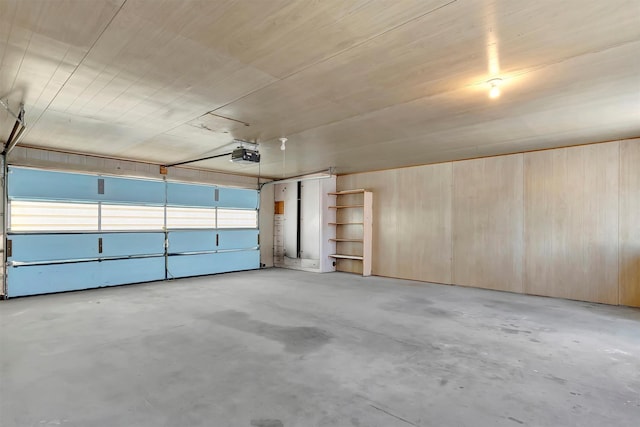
x,y
283,141
494,92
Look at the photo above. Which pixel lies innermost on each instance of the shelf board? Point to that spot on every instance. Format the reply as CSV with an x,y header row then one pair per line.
x,y
346,256
340,193
347,240
345,223
346,206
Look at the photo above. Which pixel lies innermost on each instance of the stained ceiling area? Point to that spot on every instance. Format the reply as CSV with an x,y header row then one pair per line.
x,y
355,85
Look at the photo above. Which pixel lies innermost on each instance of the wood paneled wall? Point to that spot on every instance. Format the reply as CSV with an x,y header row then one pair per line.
x,y
411,221
561,223
571,223
630,223
487,223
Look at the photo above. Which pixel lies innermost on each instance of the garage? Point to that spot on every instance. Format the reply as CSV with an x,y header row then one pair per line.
x,y
339,213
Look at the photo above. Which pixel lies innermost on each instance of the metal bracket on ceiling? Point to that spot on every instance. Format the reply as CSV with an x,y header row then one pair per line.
x,y
19,116
18,128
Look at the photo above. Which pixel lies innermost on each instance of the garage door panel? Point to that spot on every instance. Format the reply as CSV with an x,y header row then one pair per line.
x,y
192,241
32,184
132,244
192,195
52,247
127,190
240,260
43,279
203,264
237,198
237,239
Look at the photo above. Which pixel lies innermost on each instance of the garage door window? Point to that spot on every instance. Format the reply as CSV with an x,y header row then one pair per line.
x,y
28,216
127,217
237,218
178,218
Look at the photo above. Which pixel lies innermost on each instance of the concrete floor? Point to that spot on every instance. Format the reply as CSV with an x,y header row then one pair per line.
x,y
286,348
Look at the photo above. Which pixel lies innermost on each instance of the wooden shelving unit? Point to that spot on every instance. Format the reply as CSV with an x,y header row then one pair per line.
x,y
354,229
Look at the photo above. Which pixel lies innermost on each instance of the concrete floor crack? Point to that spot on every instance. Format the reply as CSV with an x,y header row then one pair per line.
x,y
394,415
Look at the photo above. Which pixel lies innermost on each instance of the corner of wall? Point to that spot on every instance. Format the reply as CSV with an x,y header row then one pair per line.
x,y
266,214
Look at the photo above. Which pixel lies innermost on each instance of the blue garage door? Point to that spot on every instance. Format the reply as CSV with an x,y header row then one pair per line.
x,y
70,231
211,230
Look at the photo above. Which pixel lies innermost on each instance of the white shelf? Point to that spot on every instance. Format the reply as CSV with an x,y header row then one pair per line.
x,y
346,256
347,240
340,193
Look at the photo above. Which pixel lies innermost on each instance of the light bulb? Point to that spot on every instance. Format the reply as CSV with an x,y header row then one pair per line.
x,y
282,146
494,92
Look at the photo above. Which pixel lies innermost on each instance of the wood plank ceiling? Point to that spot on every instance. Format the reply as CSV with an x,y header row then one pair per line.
x,y
354,84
